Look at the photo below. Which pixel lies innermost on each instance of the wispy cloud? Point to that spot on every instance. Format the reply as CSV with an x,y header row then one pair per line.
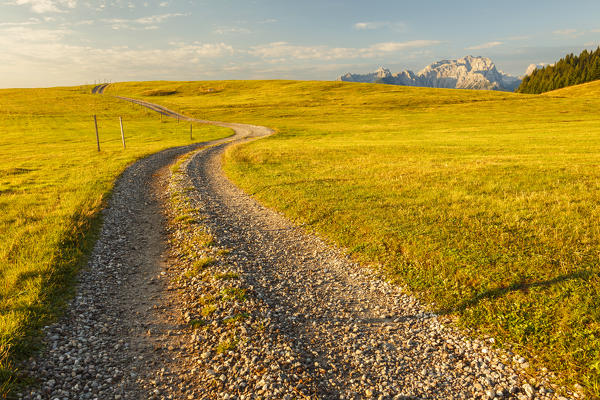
x,y
145,23
565,31
519,38
571,33
15,34
34,49
47,6
31,21
283,50
195,50
81,22
157,19
372,25
226,30
483,46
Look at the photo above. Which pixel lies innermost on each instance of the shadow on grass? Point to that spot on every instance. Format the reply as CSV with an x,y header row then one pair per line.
x,y
519,286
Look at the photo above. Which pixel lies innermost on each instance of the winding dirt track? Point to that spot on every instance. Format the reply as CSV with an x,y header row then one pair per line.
x,y
99,89
327,328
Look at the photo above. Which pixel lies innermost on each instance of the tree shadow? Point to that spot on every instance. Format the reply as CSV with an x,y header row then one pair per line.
x,y
518,286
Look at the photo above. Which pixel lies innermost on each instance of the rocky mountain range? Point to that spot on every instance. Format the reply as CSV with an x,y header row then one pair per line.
x,y
465,73
533,67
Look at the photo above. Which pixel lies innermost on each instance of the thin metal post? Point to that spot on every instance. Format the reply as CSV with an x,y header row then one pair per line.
x,y
97,137
122,133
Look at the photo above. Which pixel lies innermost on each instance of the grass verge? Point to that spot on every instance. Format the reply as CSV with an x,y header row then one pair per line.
x,y
206,279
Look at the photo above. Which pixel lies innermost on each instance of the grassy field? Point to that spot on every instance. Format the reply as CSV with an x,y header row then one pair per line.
x,y
483,203
53,182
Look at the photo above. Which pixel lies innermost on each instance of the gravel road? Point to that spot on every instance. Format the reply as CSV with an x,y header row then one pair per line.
x,y
273,313
99,89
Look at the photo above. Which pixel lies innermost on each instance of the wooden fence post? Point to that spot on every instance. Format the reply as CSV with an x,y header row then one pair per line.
x,y
97,137
122,133
191,138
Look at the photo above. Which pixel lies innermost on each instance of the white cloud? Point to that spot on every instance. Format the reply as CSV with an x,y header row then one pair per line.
x,y
482,46
372,25
283,50
46,6
28,50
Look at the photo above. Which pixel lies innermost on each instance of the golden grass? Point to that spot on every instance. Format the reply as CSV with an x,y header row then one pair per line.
x,y
485,204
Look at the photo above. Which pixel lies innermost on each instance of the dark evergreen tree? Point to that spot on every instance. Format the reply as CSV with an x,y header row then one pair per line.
x,y
570,70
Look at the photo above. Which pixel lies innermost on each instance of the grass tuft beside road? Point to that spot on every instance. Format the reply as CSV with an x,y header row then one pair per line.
x,y
483,203
53,183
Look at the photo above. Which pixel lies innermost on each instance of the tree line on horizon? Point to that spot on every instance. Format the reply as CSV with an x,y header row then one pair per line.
x,y
570,70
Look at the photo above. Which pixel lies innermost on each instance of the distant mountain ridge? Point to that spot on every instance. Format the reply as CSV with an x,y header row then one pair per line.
x,y
465,73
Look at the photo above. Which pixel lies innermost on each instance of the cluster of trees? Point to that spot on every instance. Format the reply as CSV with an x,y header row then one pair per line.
x,y
571,70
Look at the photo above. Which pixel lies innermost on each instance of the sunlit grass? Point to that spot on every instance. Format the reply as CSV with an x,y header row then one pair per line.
x,y
483,203
53,182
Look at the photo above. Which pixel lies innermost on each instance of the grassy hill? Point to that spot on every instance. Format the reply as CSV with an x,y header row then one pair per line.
x,y
53,182
590,89
483,203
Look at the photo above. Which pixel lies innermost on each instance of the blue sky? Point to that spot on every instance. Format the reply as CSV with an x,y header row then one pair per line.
x,y
64,42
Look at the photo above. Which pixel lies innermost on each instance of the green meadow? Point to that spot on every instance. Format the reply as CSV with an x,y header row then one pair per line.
x,y
484,204
53,183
